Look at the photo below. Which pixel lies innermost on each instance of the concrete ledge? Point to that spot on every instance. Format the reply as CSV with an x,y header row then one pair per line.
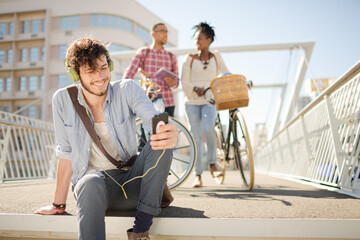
x,y
64,227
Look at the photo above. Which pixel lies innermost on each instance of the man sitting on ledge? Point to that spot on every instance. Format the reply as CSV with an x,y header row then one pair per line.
x,y
98,185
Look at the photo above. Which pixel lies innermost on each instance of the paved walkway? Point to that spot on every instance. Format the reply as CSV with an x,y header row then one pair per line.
x,y
271,198
275,209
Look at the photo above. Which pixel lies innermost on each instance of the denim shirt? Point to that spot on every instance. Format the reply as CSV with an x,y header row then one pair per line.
x,y
124,102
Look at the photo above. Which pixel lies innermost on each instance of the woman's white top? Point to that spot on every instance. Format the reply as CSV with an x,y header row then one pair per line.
x,y
200,77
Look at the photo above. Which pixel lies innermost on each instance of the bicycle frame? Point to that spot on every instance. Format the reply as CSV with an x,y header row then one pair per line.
x,y
225,143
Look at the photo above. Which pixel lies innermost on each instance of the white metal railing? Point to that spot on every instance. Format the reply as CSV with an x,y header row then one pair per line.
x,y
26,148
322,143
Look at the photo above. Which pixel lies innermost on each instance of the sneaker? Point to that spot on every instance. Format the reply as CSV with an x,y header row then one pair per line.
x,y
138,236
197,183
216,171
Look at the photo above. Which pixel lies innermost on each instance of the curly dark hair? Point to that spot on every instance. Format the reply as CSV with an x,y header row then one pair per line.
x,y
206,29
85,51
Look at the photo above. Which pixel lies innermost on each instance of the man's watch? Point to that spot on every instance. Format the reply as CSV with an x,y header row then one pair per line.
x,y
196,89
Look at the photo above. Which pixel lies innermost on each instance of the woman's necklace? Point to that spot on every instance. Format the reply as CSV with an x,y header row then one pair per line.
x,y
206,62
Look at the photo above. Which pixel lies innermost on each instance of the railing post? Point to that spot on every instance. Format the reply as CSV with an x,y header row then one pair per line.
x,y
4,146
290,144
310,156
271,153
52,163
334,126
280,152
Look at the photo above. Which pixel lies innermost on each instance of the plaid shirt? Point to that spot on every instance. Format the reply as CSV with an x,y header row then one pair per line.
x,y
153,62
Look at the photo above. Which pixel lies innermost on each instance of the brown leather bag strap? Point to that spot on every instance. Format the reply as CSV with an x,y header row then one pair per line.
x,y
143,62
217,68
191,63
73,92
172,61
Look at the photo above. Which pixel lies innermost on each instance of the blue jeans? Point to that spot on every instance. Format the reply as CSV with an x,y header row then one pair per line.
x,y
97,194
202,119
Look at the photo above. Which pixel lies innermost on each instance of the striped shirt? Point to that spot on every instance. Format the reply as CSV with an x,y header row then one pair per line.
x,y
155,59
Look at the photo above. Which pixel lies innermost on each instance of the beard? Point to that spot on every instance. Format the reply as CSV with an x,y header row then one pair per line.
x,y
163,41
87,87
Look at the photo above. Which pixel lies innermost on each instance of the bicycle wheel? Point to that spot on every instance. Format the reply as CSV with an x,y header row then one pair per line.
x,y
243,151
220,153
184,154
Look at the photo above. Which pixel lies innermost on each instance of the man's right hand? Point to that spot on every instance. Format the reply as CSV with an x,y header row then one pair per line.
x,y
49,210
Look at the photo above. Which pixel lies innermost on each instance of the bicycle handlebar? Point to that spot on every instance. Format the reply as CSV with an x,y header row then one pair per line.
x,y
250,84
149,85
144,73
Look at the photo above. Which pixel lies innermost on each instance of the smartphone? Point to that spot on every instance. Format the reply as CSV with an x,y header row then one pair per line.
x,y
159,120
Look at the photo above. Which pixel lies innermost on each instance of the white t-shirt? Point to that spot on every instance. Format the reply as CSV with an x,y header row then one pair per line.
x,y
97,160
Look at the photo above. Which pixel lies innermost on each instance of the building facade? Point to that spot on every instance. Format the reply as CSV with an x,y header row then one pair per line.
x,y
33,40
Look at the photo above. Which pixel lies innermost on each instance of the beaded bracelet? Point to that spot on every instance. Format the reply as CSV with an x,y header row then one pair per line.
x,y
57,210
59,206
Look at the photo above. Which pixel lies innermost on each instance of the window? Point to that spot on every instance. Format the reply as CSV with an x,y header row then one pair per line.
x,y
8,84
33,80
34,54
32,111
64,81
35,26
22,83
9,55
43,53
25,27
11,28
101,20
116,48
44,25
40,112
24,53
104,20
1,84
42,78
62,51
21,113
126,24
114,22
2,29
68,23
94,22
143,34
2,56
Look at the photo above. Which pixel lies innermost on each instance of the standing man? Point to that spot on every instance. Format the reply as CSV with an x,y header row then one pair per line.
x,y
152,59
98,185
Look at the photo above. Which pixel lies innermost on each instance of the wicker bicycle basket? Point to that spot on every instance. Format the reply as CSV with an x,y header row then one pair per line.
x,y
230,92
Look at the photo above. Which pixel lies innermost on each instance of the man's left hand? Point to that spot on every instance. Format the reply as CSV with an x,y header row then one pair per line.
x,y
170,81
165,138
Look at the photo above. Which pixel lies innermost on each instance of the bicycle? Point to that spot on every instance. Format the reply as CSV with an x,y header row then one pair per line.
x,y
184,154
236,146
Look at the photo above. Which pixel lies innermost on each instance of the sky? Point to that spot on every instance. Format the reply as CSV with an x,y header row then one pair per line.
x,y
333,24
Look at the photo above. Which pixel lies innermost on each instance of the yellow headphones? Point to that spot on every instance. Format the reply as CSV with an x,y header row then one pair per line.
x,y
74,76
